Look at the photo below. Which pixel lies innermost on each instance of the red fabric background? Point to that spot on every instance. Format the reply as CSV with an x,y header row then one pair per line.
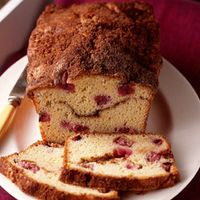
x,y
180,44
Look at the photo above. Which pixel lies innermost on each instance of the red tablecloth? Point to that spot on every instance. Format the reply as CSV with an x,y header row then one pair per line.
x,y
180,44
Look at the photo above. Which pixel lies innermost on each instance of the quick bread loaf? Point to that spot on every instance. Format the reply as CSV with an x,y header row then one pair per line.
x,y
93,67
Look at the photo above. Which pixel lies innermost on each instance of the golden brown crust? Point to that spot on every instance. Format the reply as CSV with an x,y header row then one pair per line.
x,y
39,190
118,40
87,179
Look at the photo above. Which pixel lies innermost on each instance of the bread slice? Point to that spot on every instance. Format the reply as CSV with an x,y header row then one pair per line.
x,y
139,162
93,67
36,171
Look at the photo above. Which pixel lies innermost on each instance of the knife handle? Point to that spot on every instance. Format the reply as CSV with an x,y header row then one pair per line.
x,y
7,115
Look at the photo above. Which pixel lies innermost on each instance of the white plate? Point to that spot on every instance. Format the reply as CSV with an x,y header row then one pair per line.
x,y
175,112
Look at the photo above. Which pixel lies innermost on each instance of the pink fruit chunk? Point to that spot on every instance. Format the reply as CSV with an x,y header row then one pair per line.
x,y
102,100
120,152
166,166
131,165
73,127
153,156
123,141
66,125
29,165
76,137
157,142
44,117
126,89
70,87
80,128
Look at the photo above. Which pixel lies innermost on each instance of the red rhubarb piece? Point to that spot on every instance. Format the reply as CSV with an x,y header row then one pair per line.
x,y
131,165
66,125
123,141
70,87
44,117
29,165
80,128
166,166
125,89
73,127
120,152
102,99
153,156
157,142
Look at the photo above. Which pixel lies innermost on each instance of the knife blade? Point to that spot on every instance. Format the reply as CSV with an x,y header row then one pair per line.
x,y
14,100
18,91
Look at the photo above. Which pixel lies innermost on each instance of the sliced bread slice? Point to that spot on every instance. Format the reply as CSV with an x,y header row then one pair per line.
x,y
139,162
36,172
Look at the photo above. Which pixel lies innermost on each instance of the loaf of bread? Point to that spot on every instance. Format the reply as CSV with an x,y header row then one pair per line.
x,y
93,67
36,171
140,162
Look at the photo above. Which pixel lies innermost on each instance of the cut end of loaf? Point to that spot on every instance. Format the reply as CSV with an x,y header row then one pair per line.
x,y
92,103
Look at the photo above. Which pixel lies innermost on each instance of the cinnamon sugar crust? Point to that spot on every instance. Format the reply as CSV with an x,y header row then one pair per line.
x,y
112,39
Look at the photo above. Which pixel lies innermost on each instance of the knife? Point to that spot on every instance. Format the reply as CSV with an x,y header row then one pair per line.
x,y
14,100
